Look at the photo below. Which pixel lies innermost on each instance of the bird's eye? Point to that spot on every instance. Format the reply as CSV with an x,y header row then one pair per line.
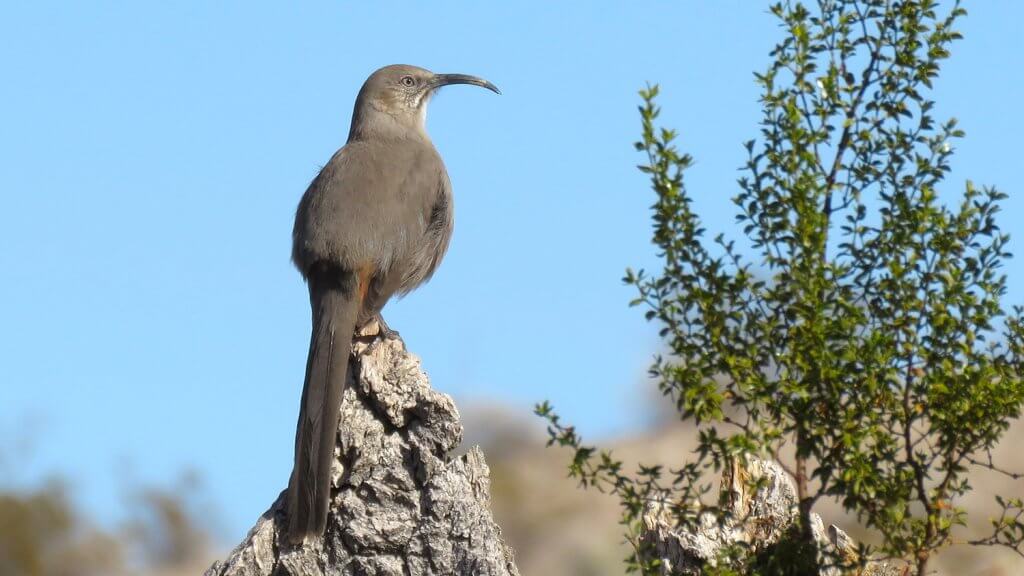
x,y
408,81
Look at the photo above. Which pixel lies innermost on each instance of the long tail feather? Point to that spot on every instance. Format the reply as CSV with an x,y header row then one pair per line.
x,y
335,309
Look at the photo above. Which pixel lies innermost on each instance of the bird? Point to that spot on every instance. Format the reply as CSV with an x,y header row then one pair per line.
x,y
375,222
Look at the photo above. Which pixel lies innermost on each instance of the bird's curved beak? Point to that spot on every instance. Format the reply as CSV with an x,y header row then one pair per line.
x,y
446,79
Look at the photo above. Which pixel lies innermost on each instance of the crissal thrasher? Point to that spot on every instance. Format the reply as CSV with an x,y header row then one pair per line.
x,y
375,221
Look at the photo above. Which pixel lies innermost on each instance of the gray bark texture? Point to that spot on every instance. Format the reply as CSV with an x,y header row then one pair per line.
x,y
401,504
762,501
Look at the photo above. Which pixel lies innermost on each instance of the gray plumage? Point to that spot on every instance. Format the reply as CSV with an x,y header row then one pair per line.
x,y
375,221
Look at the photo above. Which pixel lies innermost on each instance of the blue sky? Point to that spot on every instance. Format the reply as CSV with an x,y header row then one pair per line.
x,y
152,154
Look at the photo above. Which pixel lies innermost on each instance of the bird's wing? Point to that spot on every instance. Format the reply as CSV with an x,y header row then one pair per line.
x,y
369,205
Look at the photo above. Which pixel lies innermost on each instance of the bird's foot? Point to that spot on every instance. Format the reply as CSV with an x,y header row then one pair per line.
x,y
377,329
385,331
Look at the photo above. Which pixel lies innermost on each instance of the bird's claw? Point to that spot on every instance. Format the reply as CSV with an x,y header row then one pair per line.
x,y
385,332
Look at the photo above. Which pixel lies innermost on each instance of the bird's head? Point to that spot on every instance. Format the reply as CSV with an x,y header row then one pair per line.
x,y
394,99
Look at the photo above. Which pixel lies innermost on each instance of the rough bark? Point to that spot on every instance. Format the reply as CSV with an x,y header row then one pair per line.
x,y
401,504
763,508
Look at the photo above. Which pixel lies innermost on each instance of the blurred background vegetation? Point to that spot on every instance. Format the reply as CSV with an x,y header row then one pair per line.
x,y
165,531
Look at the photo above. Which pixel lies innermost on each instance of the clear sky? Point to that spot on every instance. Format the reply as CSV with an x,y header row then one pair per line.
x,y
152,154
